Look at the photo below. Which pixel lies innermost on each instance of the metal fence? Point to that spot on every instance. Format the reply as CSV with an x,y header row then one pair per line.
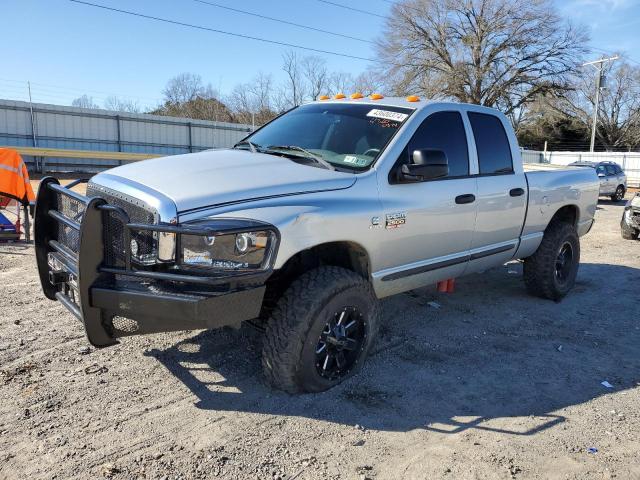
x,y
629,161
54,126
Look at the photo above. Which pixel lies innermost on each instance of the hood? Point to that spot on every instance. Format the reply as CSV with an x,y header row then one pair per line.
x,y
218,177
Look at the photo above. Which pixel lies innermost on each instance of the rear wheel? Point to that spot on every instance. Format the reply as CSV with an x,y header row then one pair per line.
x,y
551,271
321,330
619,194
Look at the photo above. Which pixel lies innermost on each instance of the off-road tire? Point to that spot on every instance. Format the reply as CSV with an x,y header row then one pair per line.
x,y
628,233
290,340
618,196
540,268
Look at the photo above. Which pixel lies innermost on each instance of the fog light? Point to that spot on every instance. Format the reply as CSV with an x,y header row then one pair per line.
x,y
166,246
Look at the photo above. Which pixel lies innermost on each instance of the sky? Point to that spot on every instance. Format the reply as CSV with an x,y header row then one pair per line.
x,y
67,49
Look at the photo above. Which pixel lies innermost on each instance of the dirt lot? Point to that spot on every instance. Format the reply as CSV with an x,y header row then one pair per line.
x,y
493,384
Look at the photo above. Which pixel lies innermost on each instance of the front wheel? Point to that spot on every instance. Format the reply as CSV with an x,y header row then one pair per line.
x,y
551,271
628,232
321,330
619,194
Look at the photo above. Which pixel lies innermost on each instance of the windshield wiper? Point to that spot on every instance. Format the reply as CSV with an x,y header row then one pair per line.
x,y
252,146
307,154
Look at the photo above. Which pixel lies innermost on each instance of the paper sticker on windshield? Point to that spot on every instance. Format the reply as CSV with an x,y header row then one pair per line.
x,y
387,115
352,159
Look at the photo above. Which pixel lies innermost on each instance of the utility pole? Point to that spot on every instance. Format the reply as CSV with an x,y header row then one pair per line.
x,y
599,66
33,120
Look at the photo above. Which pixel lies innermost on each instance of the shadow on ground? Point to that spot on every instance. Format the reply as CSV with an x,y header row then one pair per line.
x,y
489,354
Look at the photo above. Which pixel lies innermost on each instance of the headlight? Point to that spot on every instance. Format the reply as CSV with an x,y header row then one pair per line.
x,y
635,201
236,250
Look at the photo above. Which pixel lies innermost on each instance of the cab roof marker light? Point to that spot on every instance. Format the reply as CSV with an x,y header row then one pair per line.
x,y
413,98
376,96
356,96
340,96
323,97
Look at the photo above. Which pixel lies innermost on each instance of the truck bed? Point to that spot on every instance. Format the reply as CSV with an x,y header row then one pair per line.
x,y
552,187
537,167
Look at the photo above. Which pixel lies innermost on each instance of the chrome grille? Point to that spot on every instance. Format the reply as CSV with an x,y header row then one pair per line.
x,y
114,229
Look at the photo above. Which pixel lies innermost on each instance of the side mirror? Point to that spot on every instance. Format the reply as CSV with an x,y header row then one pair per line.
x,y
601,175
427,165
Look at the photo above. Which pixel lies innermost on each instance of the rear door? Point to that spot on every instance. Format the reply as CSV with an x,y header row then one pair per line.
x,y
502,191
612,177
622,179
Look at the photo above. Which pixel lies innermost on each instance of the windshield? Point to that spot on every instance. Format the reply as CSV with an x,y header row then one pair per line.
x,y
345,135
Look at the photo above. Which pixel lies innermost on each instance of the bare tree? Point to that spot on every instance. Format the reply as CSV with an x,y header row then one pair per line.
x,y
84,101
500,53
252,102
314,71
619,111
186,95
121,105
367,83
261,89
294,91
340,82
183,88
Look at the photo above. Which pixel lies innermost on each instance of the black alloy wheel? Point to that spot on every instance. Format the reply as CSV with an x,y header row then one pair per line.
x,y
341,343
619,195
564,263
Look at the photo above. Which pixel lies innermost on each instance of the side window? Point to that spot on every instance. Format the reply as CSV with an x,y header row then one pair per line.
x,y
600,170
442,131
492,144
618,170
611,170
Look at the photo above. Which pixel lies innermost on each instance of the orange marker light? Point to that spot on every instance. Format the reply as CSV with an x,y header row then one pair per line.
x,y
356,95
323,97
340,96
413,98
376,96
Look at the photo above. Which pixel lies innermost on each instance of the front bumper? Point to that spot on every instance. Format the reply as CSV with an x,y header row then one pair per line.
x,y
116,302
631,217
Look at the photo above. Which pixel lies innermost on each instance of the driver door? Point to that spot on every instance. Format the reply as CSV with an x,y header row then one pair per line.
x,y
429,224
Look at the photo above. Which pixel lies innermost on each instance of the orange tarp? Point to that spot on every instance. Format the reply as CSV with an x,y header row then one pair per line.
x,y
14,178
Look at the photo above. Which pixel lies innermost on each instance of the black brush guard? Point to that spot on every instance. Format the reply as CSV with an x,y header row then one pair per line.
x,y
116,302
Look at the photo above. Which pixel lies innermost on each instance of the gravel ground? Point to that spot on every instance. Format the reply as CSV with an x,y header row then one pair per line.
x,y
492,384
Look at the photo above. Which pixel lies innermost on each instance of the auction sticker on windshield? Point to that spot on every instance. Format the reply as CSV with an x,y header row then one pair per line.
x,y
387,115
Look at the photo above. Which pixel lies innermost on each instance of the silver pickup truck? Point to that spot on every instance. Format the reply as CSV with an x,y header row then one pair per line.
x,y
302,226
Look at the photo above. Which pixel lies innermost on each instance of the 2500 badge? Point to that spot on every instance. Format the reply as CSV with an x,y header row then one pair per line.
x,y
396,220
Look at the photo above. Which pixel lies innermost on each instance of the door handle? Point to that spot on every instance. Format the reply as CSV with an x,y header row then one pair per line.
x,y
516,192
467,198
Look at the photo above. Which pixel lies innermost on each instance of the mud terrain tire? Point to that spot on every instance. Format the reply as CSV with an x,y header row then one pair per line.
x,y
309,311
551,271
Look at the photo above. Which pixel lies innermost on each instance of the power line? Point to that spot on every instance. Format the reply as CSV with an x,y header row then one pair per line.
x,y
208,29
286,22
623,55
607,52
62,92
340,5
